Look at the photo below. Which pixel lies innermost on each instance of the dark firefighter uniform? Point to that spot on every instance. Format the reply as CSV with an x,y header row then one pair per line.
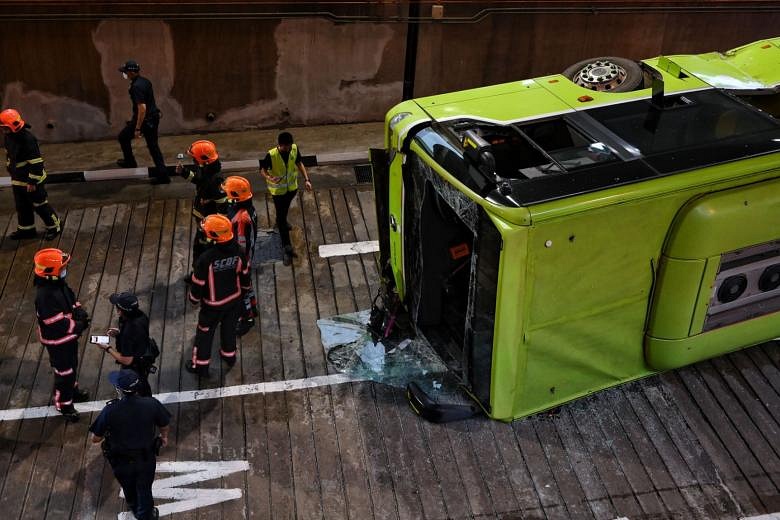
x,y
61,320
127,428
219,282
25,166
209,199
244,219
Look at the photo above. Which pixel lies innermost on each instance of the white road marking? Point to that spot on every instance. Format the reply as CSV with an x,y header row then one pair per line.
x,y
187,499
192,395
349,248
770,516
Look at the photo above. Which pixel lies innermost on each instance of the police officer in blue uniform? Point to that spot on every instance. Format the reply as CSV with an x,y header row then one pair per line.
x,y
144,122
128,428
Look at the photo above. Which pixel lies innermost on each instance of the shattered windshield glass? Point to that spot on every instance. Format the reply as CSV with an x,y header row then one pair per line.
x,y
350,349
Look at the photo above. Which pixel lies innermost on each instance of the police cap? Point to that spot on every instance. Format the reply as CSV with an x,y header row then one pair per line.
x,y
130,66
125,379
126,301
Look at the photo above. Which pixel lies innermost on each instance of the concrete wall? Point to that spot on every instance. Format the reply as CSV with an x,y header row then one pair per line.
x,y
265,73
250,74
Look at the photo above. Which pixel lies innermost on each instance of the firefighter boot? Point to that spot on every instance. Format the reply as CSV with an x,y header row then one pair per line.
x,y
229,360
200,370
69,412
22,234
80,396
52,233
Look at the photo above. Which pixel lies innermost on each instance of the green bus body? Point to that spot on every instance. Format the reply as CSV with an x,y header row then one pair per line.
x,y
593,282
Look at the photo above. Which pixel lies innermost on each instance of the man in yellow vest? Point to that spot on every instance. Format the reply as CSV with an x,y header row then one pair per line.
x,y
280,169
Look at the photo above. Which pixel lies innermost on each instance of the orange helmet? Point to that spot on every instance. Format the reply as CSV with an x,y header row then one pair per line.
x,y
217,228
237,188
12,119
204,152
50,262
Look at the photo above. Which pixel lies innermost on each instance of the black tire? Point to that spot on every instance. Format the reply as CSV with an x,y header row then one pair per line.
x,y
632,81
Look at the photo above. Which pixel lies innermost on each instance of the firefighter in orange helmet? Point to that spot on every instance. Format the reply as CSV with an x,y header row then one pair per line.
x,y
219,283
25,165
241,213
61,320
205,174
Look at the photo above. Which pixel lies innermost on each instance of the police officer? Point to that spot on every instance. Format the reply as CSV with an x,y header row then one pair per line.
x,y
128,427
205,174
145,121
280,169
219,283
132,339
61,320
25,165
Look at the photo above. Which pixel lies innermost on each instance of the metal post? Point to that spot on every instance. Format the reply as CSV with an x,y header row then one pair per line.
x,y
410,61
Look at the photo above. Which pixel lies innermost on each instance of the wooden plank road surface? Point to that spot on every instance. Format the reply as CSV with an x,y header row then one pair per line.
x,y
701,442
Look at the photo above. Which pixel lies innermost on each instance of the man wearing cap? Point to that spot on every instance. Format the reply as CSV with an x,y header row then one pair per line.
x,y
128,428
132,339
145,121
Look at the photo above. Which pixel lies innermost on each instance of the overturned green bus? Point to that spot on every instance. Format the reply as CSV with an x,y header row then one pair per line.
x,y
564,234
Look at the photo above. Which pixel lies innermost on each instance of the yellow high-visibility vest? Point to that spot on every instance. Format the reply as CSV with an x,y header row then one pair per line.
x,y
286,173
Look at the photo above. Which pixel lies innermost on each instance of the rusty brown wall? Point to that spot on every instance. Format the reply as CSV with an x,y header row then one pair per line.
x,y
305,70
249,73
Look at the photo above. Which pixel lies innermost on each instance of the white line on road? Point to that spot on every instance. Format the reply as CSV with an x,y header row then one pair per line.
x,y
188,473
349,248
192,395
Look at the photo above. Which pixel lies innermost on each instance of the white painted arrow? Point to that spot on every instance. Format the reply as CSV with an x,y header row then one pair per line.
x,y
191,472
348,248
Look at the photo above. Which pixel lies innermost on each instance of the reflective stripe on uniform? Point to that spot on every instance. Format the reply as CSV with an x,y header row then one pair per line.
x,y
212,299
57,317
18,183
195,360
24,228
40,178
64,339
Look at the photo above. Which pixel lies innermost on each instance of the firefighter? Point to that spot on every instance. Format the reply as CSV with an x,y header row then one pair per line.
x,y
219,283
61,320
205,174
280,169
127,431
25,165
241,213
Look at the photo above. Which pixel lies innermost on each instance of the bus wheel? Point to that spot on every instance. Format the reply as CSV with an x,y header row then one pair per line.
x,y
606,74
